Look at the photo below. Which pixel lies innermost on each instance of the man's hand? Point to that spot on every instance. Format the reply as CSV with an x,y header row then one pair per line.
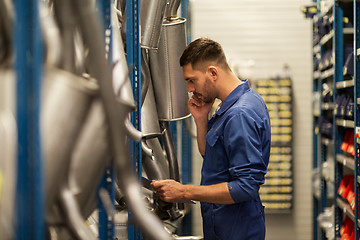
x,y
169,190
172,191
199,109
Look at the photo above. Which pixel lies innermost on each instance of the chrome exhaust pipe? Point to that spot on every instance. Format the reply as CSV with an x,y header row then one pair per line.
x,y
169,86
116,114
7,173
152,14
172,9
149,118
60,129
76,223
170,152
120,75
90,158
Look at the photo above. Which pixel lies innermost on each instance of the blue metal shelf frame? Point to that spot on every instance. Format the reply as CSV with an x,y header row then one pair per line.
x,y
106,227
356,111
133,51
186,166
316,138
28,65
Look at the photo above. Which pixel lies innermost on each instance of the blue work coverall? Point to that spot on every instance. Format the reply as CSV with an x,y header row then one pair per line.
x,y
237,151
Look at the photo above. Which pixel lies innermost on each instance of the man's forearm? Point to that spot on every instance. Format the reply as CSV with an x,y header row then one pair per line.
x,y
201,130
218,193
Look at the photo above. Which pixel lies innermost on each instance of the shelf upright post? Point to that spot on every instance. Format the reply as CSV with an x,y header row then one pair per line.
x,y
338,46
106,226
356,113
316,139
186,144
133,50
30,220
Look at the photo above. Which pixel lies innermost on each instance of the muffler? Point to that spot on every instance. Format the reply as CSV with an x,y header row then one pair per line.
x,y
169,86
90,158
66,100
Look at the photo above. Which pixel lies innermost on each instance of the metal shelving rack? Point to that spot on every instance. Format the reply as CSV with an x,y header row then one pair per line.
x,y
344,163
30,212
28,66
357,115
316,113
106,227
133,56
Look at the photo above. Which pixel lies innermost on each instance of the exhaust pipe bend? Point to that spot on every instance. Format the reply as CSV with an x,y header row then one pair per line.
x,y
116,114
170,152
71,209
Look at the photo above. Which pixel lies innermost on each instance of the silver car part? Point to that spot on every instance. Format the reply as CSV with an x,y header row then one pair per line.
x,y
116,113
121,80
152,14
169,85
90,158
61,121
75,221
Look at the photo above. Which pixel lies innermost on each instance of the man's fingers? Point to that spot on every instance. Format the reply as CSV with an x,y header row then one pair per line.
x,y
193,102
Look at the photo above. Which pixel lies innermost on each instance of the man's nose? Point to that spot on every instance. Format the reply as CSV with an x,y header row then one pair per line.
x,y
190,87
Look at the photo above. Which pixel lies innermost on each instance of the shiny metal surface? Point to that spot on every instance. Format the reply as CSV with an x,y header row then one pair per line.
x,y
169,86
65,19
89,159
76,223
131,131
7,173
170,152
149,117
66,100
51,35
172,9
152,14
116,113
121,80
157,166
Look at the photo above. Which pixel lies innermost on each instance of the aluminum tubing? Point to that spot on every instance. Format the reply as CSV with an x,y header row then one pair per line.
x,y
149,117
152,14
66,100
172,8
170,152
121,80
169,85
116,114
74,220
7,173
156,168
90,158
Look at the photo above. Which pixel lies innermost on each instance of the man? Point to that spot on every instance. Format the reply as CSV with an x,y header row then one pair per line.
x,y
235,144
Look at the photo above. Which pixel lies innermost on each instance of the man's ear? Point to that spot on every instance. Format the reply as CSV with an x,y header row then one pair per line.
x,y
213,72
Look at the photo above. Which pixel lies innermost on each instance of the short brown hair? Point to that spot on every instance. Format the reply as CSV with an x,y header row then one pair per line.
x,y
203,50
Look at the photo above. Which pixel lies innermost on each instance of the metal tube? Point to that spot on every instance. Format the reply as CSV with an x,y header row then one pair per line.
x,y
171,9
116,114
72,213
170,151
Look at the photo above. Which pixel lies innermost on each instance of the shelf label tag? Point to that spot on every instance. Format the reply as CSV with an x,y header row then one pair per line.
x,y
357,131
